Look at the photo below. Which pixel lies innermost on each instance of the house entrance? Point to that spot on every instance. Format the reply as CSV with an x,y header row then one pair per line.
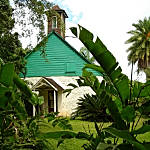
x,y
50,101
47,88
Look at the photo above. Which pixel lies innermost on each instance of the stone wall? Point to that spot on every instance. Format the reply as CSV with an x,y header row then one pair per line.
x,y
69,103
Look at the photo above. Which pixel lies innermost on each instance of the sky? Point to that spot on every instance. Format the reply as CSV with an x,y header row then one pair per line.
x,y
110,20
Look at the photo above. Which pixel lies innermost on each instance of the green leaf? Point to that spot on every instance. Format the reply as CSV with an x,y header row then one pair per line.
x,y
113,109
51,116
83,135
122,86
100,45
74,31
60,141
118,103
145,90
85,34
62,123
102,85
136,89
40,100
107,61
144,108
124,146
3,91
3,96
68,91
34,99
1,122
145,128
25,89
94,67
116,73
86,73
126,136
22,86
128,114
6,74
147,145
105,146
19,108
73,85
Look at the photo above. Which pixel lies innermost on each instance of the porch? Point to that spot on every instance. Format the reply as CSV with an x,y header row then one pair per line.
x,y
52,93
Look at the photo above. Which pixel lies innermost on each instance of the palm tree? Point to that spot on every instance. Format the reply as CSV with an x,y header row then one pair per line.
x,y
139,51
85,52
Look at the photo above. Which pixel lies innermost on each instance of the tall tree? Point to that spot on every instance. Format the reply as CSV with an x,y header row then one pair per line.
x,y
10,47
139,51
27,14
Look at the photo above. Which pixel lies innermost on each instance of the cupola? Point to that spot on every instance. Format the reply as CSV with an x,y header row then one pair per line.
x,y
56,22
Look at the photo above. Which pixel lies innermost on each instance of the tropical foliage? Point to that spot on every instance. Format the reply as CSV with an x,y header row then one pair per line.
x,y
139,51
28,15
125,100
17,129
10,47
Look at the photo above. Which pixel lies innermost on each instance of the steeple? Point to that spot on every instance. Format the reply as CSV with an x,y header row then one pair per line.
x,y
57,21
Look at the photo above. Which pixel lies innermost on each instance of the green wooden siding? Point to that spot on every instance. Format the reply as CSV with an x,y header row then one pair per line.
x,y
61,60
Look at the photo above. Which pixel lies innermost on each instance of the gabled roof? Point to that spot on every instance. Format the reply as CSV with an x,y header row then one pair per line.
x,y
47,82
57,9
61,59
55,33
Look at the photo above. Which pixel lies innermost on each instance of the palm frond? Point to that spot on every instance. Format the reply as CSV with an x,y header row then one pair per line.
x,y
139,50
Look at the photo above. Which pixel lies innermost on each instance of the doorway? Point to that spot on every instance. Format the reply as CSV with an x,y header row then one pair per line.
x,y
50,101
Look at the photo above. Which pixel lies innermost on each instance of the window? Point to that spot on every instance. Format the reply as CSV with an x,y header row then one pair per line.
x,y
70,68
54,22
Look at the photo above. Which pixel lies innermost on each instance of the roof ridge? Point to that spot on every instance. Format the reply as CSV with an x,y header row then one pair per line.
x,y
71,47
53,32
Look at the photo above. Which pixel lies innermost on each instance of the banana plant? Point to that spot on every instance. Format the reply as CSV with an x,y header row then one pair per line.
x,y
15,132
123,98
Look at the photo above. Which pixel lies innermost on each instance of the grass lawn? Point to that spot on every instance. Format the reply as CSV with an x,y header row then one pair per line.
x,y
52,134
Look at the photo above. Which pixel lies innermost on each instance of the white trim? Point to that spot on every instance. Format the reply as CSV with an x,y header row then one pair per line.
x,y
46,82
54,101
51,85
33,88
33,110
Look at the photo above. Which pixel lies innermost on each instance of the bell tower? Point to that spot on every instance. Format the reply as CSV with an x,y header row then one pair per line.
x,y
57,21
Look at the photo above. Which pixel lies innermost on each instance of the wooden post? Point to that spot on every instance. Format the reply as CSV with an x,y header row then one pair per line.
x,y
33,107
33,110
54,101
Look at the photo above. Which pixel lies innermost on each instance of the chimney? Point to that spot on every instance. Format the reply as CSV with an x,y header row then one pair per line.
x,y
57,21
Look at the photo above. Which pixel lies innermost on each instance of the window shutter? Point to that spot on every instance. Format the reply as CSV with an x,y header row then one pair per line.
x,y
70,68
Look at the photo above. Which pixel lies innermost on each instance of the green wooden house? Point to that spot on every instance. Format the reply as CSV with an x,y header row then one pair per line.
x,y
61,59
51,74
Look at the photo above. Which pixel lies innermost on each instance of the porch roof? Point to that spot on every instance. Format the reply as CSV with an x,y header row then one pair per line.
x,y
47,83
